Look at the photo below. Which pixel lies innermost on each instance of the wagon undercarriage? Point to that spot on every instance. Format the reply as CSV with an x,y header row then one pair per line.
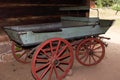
x,y
58,57
54,58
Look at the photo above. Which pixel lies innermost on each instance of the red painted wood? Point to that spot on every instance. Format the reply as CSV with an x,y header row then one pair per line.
x,y
59,59
90,52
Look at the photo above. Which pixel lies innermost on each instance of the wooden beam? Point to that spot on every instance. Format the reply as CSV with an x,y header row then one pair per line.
x,y
17,12
6,12
46,1
27,5
29,20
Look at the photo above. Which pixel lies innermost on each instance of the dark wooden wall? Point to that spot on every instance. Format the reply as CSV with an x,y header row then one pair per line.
x,y
46,1
19,12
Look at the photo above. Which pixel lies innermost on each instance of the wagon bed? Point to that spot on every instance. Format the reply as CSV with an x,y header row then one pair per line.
x,y
28,35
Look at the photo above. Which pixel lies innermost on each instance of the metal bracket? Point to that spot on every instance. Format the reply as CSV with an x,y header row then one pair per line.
x,y
106,44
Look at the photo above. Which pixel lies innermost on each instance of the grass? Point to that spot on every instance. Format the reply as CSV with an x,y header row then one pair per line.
x,y
116,7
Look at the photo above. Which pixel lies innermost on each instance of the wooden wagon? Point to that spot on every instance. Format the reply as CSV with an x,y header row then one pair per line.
x,y
49,32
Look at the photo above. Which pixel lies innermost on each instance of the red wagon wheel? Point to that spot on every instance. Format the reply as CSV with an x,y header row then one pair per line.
x,y
52,60
90,51
20,54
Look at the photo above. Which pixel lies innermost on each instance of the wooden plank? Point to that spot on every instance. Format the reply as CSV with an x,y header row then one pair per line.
x,y
15,12
78,13
20,11
82,2
74,8
28,4
67,33
29,20
27,11
38,11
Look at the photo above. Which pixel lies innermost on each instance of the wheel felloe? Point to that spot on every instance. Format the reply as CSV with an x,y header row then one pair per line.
x,y
20,54
57,60
90,52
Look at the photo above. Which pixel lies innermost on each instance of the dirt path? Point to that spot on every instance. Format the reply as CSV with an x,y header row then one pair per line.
x,y
108,69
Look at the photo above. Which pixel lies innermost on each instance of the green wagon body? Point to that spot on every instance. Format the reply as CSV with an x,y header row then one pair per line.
x,y
28,35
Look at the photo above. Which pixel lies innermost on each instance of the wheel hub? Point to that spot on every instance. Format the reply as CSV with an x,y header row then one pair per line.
x,y
54,61
90,52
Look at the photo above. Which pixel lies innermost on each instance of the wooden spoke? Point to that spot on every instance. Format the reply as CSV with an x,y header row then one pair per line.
x,y
51,48
20,54
51,72
96,56
63,62
86,58
95,46
61,68
64,56
42,60
93,58
41,67
58,46
61,59
89,59
63,49
45,71
97,52
45,53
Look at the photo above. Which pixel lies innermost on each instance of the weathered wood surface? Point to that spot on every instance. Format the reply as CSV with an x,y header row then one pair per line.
x,y
20,12
47,1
